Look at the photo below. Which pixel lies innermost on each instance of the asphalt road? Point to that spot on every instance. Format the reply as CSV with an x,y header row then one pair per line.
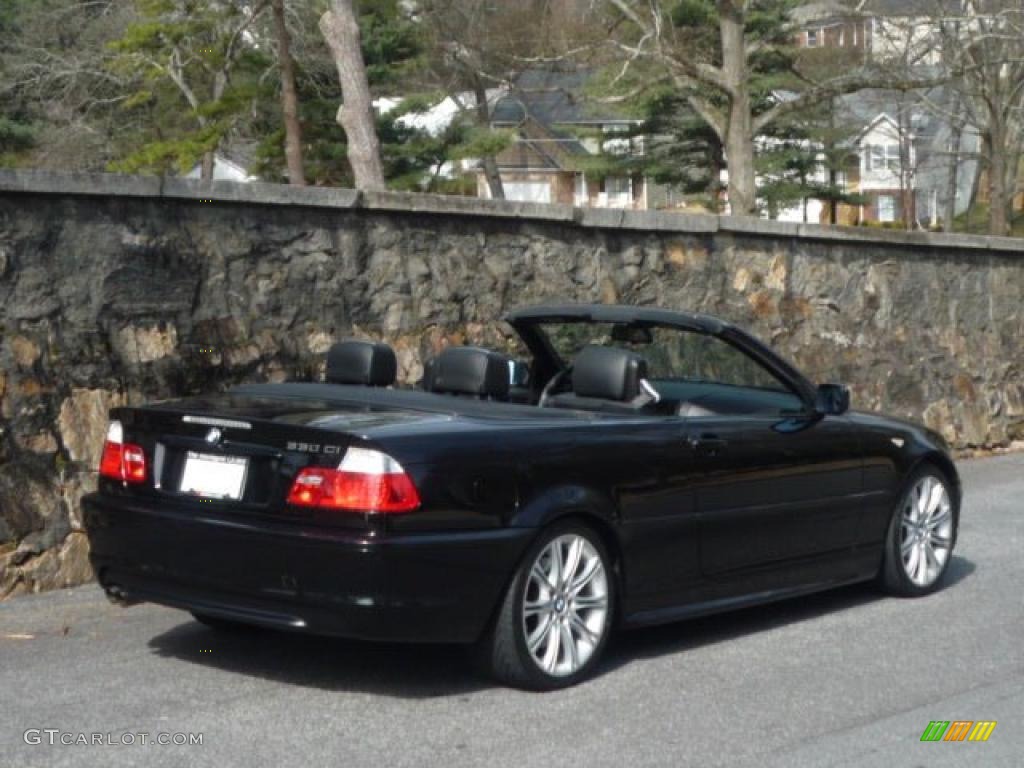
x,y
849,678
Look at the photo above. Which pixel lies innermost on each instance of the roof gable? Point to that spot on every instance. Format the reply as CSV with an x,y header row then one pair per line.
x,y
553,97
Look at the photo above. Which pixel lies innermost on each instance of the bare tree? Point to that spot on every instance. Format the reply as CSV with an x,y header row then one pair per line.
x,y
289,98
57,70
713,61
480,45
340,29
956,123
907,160
983,49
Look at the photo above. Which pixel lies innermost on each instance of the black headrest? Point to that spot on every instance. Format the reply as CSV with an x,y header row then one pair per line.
x,y
608,373
468,371
361,362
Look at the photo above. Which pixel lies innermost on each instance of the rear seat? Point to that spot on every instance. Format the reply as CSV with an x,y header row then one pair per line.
x,y
366,363
468,371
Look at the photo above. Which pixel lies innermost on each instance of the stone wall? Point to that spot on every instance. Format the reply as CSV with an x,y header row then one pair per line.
x,y
124,289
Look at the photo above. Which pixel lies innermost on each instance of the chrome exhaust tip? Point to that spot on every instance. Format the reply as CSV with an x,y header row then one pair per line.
x,y
118,596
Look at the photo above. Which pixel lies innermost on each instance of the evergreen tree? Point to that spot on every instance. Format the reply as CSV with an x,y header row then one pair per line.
x,y
797,150
198,73
728,59
392,49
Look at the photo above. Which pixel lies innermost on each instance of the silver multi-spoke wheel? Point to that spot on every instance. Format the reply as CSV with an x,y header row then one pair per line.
x,y
926,530
565,606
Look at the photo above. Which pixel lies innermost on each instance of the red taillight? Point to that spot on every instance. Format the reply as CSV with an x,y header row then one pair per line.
x,y
110,464
366,481
122,461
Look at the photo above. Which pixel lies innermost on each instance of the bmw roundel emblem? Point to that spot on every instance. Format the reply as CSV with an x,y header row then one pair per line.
x,y
213,436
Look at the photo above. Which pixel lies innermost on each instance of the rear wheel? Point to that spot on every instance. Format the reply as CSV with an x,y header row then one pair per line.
x,y
921,536
556,616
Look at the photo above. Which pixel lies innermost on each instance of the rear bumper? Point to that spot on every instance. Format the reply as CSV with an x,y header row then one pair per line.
x,y
418,587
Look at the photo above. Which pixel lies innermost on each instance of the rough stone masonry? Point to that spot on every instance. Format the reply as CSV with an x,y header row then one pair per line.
x,y
126,289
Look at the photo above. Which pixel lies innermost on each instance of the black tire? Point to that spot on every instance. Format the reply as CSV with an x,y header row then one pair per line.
x,y
893,576
221,625
503,652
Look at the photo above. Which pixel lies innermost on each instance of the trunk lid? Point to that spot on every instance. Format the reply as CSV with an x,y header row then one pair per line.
x,y
246,449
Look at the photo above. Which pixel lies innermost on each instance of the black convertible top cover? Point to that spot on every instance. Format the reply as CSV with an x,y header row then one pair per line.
x,y
615,313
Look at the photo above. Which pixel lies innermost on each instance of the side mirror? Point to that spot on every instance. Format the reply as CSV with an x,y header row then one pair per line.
x,y
518,373
832,399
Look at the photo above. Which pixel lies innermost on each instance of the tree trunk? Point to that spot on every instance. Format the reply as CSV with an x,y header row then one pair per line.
x,y
739,132
206,169
909,205
831,154
954,170
833,183
341,31
220,84
739,158
1011,183
483,119
997,203
907,171
289,100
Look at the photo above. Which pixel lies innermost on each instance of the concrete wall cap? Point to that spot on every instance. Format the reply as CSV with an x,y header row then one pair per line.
x,y
14,182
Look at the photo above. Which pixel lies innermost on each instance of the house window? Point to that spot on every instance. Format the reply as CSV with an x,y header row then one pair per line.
x,y
580,196
879,157
874,158
887,208
528,191
812,38
619,191
892,157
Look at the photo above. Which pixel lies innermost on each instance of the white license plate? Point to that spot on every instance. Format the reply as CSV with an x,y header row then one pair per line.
x,y
213,476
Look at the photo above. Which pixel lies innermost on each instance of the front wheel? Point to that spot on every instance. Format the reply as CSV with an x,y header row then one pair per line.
x,y
921,536
554,621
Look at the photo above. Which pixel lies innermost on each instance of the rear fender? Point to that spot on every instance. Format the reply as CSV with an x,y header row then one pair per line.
x,y
565,501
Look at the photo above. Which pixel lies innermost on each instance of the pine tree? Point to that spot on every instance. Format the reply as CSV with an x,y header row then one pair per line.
x,y
728,59
198,76
392,49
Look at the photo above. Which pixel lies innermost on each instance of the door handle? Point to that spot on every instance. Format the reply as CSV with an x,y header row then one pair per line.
x,y
708,444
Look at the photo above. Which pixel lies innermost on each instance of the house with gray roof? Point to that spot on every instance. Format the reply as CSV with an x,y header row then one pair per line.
x,y
912,151
557,129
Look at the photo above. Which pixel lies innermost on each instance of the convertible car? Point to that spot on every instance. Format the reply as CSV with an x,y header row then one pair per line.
x,y
634,466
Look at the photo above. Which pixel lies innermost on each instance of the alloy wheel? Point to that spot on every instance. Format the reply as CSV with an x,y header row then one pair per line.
x,y
565,606
926,531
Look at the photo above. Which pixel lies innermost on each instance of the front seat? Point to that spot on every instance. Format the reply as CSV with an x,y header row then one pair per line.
x,y
469,371
605,379
366,363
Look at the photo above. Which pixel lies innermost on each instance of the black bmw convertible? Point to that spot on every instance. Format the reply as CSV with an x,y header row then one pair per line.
x,y
638,466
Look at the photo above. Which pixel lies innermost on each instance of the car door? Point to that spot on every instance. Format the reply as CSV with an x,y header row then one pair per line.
x,y
772,488
773,480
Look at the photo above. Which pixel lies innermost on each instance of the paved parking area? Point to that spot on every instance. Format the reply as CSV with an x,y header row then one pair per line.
x,y
849,678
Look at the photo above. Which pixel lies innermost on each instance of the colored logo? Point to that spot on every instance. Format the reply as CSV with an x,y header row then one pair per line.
x,y
958,730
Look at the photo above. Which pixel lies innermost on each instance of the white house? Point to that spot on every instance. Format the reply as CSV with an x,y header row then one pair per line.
x,y
887,161
223,170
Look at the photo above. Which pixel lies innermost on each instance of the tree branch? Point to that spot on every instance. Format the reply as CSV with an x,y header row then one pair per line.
x,y
838,87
